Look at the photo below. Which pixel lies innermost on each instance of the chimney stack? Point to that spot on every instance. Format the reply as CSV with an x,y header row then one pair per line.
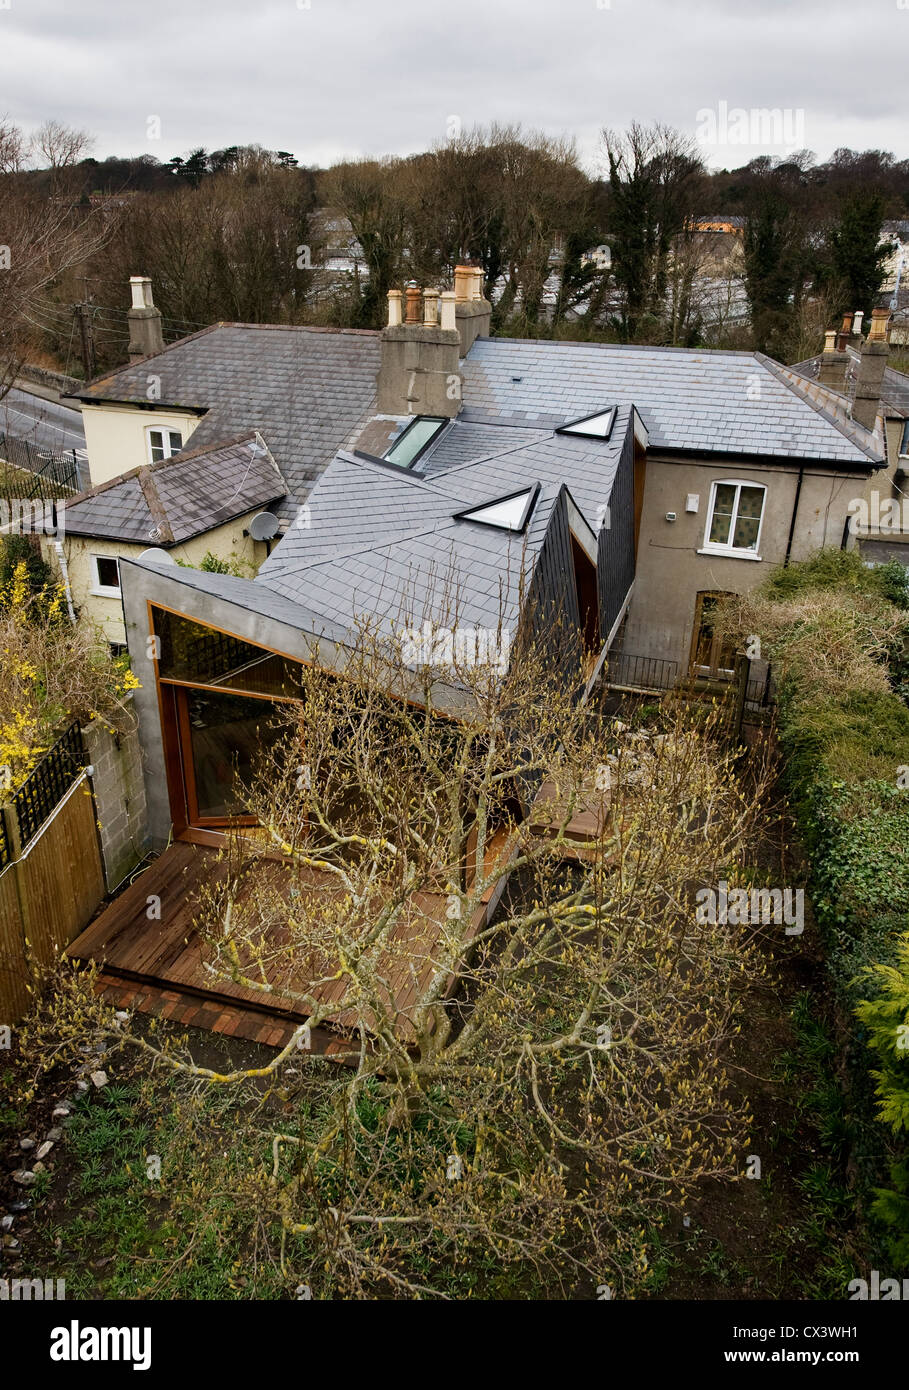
x,y
145,333
419,369
473,313
875,350
834,360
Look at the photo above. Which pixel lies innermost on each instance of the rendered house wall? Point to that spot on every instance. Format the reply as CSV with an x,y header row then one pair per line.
x,y
670,572
227,542
116,438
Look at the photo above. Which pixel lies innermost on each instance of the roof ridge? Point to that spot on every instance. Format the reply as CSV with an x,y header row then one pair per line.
x,y
156,506
793,381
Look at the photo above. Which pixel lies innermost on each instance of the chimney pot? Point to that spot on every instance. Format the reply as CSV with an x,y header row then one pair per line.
x,y
830,340
477,282
412,303
141,290
847,324
880,324
394,308
857,318
449,320
430,308
463,283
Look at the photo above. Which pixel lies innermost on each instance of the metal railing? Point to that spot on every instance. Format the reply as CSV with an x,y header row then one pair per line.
x,y
625,670
49,782
640,672
54,473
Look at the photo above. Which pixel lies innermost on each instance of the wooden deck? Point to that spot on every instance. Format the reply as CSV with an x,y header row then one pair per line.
x,y
158,964
168,954
589,822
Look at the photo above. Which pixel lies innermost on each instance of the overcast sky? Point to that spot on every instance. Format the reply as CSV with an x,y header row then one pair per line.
x,y
333,78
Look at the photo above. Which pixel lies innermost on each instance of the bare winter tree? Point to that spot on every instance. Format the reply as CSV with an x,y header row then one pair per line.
x,y
41,239
60,146
518,1090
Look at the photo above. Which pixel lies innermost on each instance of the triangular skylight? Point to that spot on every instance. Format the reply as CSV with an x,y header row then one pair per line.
x,y
507,513
598,426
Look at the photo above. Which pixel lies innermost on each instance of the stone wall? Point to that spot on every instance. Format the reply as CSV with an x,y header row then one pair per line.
x,y
120,798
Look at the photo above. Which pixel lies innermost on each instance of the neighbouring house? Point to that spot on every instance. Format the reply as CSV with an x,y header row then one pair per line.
x,y
626,487
171,444
201,503
852,376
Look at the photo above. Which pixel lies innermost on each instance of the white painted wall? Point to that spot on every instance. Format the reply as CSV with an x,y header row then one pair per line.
x,y
227,542
116,436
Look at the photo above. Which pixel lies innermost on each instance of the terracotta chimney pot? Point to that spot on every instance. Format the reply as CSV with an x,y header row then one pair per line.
x,y
880,323
463,283
412,311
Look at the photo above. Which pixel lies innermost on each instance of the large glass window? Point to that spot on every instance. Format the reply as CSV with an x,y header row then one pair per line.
x,y
190,652
736,510
228,735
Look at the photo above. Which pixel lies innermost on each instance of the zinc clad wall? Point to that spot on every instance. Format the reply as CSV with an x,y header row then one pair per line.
x,y
615,542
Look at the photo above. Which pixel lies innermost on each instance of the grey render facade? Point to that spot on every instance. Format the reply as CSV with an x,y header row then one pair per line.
x,y
562,471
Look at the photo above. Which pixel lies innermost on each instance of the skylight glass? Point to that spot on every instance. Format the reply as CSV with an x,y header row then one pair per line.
x,y
597,426
417,437
509,513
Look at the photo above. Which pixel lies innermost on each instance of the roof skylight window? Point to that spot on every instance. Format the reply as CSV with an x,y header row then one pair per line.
x,y
415,440
598,426
509,513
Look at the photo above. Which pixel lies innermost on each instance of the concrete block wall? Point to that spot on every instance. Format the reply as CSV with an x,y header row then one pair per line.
x,y
119,788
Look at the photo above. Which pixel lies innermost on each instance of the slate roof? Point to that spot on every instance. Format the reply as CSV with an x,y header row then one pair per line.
x,y
169,502
306,390
386,541
696,400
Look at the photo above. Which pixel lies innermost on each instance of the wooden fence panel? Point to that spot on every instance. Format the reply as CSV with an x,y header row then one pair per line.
x,y
53,889
15,975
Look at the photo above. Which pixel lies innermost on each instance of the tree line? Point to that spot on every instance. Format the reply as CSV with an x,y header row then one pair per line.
x,y
248,234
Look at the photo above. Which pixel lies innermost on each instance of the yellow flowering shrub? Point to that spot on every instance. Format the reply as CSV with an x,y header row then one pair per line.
x,y
51,672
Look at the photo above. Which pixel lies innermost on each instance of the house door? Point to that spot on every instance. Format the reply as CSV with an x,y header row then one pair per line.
x,y
711,657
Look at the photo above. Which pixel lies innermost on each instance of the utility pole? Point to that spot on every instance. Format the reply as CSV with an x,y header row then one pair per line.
x,y
84,313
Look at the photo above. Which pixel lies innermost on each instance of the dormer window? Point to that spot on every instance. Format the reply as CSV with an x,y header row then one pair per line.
x,y
162,443
597,426
413,442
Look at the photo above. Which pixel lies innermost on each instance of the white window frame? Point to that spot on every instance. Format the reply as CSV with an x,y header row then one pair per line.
x,y
104,590
165,432
710,547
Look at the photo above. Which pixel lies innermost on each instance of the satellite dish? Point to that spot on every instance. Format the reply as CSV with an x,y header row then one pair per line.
x,y
158,556
263,527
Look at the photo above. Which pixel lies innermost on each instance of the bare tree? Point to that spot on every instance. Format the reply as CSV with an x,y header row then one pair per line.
x,y
521,1087
61,146
12,147
42,239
